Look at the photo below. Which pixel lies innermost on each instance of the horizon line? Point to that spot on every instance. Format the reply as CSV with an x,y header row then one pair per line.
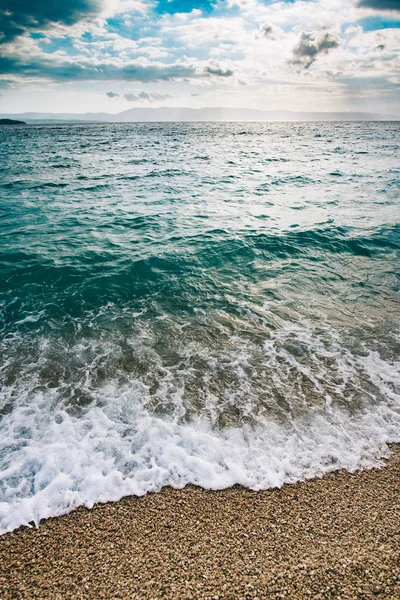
x,y
222,108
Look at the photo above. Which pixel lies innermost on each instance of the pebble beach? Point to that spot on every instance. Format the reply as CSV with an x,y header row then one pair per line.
x,y
332,537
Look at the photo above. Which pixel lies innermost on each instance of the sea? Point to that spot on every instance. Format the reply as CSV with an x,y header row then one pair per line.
x,y
194,303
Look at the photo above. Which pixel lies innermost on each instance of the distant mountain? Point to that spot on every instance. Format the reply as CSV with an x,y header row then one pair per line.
x,y
144,114
11,122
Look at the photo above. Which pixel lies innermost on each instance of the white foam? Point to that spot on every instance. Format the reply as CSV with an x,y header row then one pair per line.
x,y
53,461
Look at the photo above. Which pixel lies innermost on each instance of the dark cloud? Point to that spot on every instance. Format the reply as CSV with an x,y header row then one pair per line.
x,y
69,71
112,95
147,96
309,47
218,72
266,29
380,4
18,16
270,31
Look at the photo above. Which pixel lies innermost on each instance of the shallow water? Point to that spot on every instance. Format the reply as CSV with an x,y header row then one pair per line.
x,y
194,303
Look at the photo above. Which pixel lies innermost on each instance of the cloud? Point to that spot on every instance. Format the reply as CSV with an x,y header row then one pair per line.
x,y
218,71
147,97
380,4
62,70
271,32
24,59
267,29
18,16
220,46
310,46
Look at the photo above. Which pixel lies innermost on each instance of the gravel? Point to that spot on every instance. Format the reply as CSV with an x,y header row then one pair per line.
x,y
334,537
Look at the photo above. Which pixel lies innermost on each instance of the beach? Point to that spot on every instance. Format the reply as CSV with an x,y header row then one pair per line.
x,y
332,537
199,354
199,300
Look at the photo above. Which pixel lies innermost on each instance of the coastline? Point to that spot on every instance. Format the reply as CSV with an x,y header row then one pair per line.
x,y
332,537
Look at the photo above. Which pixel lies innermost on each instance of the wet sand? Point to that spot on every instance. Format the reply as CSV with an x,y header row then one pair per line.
x,y
335,537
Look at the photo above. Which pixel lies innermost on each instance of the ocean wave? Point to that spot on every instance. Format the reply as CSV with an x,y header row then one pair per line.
x,y
194,306
54,460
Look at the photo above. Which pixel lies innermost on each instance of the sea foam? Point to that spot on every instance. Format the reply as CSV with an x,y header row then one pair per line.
x,y
54,462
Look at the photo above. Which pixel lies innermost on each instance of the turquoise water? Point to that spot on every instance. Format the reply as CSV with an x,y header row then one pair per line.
x,y
194,303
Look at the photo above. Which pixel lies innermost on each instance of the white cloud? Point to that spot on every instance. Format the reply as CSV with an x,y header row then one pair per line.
x,y
251,54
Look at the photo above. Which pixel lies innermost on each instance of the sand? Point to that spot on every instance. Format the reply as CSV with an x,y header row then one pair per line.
x,y
335,537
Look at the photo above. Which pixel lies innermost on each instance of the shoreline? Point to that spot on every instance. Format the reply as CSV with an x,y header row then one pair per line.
x,y
332,537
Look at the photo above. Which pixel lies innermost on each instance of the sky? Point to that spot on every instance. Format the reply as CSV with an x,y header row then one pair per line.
x,y
112,55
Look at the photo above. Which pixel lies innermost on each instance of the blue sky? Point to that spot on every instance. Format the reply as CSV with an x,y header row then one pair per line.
x,y
111,55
